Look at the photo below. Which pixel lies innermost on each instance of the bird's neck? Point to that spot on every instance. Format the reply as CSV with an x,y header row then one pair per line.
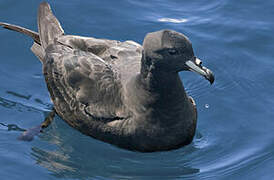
x,y
162,83
167,87
158,80
160,96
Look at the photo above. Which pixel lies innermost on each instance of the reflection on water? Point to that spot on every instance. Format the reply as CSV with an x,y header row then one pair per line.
x,y
24,105
78,156
10,127
172,20
19,95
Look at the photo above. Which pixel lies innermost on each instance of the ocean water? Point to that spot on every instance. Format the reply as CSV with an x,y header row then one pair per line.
x,y
234,138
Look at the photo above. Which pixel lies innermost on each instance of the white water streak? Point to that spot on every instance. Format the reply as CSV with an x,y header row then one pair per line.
x,y
172,20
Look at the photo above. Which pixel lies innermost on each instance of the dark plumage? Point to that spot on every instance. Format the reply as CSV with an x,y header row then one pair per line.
x,y
119,92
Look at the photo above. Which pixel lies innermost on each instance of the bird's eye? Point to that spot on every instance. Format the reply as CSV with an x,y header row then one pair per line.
x,y
172,51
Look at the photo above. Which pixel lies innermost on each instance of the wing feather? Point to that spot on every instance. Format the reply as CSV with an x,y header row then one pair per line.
x,y
81,84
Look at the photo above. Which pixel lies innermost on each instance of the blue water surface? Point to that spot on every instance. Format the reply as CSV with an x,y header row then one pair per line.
x,y
234,138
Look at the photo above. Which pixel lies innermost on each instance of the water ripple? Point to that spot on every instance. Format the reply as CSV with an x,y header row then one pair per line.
x,y
24,105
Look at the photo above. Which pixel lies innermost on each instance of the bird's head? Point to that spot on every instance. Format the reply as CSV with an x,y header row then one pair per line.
x,y
172,51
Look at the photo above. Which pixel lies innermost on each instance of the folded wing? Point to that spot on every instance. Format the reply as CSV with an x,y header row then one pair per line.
x,y
82,85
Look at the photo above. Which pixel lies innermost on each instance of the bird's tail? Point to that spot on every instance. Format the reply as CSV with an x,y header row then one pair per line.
x,y
49,28
32,34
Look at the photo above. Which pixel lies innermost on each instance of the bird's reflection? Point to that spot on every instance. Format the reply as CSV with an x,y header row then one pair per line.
x,y
70,154
78,156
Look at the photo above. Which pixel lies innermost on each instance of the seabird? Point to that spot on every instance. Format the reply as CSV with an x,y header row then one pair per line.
x,y
122,93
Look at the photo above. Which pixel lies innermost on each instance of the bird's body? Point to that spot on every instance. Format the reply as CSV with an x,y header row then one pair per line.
x,y
92,89
122,93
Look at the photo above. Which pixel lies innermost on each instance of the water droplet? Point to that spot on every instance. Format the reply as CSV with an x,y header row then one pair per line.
x,y
207,106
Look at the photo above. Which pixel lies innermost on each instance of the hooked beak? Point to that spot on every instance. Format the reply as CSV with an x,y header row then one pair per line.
x,y
194,65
